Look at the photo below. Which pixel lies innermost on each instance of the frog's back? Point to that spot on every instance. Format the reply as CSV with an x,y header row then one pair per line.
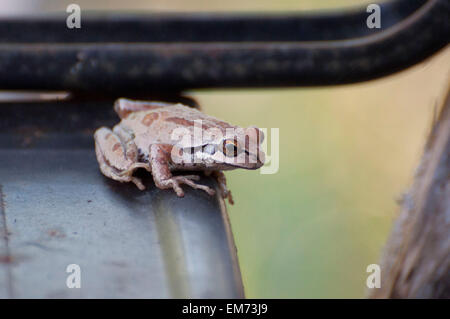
x,y
157,125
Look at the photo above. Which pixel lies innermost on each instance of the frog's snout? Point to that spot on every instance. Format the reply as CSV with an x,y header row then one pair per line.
x,y
255,161
261,158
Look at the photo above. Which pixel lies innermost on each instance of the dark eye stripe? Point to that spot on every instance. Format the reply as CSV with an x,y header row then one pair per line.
x,y
209,148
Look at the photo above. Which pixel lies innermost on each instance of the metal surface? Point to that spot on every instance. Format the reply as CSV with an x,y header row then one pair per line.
x,y
57,209
153,67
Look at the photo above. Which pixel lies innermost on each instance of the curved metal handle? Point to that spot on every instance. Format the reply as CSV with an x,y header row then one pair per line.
x,y
144,67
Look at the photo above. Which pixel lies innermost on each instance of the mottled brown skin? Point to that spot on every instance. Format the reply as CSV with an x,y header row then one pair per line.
x,y
144,138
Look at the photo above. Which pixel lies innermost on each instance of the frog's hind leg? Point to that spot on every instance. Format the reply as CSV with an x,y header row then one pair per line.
x,y
131,151
117,161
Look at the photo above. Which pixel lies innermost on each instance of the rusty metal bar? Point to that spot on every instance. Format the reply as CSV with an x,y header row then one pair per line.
x,y
204,27
156,67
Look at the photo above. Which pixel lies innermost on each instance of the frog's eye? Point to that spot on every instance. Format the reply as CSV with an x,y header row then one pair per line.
x,y
230,148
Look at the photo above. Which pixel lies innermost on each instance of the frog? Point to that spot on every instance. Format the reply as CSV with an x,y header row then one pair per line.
x,y
166,138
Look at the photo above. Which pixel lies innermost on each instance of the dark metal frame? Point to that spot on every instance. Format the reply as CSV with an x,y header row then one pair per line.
x,y
204,27
192,60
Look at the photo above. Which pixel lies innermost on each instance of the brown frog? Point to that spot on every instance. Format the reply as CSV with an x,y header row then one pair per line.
x,y
163,137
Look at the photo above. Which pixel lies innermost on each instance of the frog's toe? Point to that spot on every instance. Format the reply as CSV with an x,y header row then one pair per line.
x,y
205,188
190,177
138,183
176,187
227,194
188,181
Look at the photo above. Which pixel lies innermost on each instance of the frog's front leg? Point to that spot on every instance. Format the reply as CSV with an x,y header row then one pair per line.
x,y
159,161
117,156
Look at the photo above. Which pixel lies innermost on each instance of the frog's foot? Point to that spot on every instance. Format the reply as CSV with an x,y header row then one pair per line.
x,y
120,177
226,193
175,182
128,174
137,182
130,170
159,159
222,182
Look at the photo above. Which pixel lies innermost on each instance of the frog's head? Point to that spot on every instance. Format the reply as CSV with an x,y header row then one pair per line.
x,y
226,150
240,149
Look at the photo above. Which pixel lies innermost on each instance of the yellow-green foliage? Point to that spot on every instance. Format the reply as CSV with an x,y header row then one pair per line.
x,y
346,154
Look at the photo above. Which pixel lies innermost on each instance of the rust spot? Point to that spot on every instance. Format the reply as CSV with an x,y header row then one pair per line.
x,y
29,134
6,259
150,118
56,233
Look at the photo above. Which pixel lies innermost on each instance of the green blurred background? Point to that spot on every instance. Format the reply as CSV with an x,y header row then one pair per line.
x,y
347,154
